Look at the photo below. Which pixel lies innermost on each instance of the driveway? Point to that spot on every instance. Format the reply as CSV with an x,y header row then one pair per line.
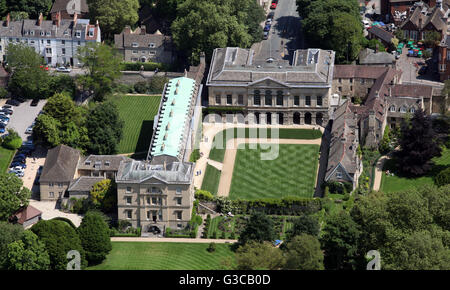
x,y
33,162
49,211
284,36
23,117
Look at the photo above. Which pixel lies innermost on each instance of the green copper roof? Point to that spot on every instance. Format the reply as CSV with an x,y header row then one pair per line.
x,y
173,117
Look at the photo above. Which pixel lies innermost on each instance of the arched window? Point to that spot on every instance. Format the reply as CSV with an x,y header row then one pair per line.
x,y
392,108
412,110
403,109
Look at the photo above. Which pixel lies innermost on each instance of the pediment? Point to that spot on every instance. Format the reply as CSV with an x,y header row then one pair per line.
x,y
267,82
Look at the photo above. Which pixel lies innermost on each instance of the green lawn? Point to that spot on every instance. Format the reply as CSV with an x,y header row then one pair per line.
x,y
399,183
211,179
217,152
5,158
292,173
163,256
138,113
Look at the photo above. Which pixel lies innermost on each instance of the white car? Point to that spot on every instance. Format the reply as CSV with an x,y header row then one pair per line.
x,y
4,122
63,69
29,130
366,24
269,21
17,169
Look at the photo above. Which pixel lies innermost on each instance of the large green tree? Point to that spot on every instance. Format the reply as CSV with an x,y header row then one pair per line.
x,y
94,235
305,224
103,67
104,195
418,145
105,128
13,195
203,25
28,253
32,7
259,228
259,256
114,15
59,239
8,233
304,253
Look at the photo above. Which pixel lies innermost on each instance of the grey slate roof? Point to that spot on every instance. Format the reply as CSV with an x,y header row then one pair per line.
x,y
100,162
358,71
126,40
370,57
380,33
60,164
84,183
139,171
344,141
236,66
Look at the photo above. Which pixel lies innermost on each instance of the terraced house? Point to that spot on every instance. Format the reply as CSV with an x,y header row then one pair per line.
x,y
272,91
56,40
159,191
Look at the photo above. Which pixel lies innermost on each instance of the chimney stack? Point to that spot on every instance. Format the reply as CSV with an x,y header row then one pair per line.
x,y
75,19
143,30
41,18
127,30
8,19
58,18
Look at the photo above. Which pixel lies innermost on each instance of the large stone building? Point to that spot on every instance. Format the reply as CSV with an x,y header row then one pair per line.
x,y
272,91
159,191
140,46
56,40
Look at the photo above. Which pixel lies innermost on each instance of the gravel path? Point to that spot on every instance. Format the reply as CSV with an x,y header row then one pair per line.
x,y
230,157
171,240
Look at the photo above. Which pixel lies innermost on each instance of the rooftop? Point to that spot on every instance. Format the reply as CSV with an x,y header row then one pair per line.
x,y
173,117
139,171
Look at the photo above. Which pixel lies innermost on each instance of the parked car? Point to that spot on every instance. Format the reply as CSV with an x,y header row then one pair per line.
x,y
18,165
35,102
13,102
4,117
2,129
266,35
28,144
8,107
29,130
365,23
19,168
26,151
19,174
270,15
267,27
16,170
4,122
20,160
6,111
63,69
269,21
273,5
20,155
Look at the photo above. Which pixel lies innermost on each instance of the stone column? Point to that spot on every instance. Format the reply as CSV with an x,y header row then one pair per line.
x,y
302,118
287,118
263,118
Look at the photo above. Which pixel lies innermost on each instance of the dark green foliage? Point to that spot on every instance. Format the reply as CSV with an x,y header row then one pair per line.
x,y
195,155
146,66
417,145
303,253
212,247
105,129
372,44
340,242
12,141
203,195
28,253
59,238
8,234
94,236
12,195
32,7
140,87
259,228
305,224
338,187
443,177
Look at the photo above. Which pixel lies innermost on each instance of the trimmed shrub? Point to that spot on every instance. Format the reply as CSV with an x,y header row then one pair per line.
x,y
212,247
443,177
147,66
203,195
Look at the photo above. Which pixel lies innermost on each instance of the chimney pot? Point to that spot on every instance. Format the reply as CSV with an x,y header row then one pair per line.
x,y
143,30
41,18
8,19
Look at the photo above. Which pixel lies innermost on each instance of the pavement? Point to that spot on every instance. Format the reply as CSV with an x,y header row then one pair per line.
x,y
36,159
379,173
23,117
284,37
49,211
171,240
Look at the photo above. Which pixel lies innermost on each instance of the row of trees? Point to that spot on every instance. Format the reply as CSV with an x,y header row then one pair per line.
x,y
46,245
333,24
97,130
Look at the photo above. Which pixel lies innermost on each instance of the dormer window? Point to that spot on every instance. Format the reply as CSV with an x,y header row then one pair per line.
x,y
48,33
107,163
151,45
78,34
42,33
134,44
32,32
392,108
87,163
403,109
412,110
66,33
91,32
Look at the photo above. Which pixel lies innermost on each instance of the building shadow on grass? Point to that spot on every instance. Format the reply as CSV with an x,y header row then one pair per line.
x,y
143,143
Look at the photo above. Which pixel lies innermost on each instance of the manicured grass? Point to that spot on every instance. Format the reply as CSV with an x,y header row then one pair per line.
x,y
163,256
138,113
5,158
292,173
217,152
399,183
211,179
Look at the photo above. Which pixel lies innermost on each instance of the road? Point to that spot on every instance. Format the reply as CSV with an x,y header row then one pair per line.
x,y
284,36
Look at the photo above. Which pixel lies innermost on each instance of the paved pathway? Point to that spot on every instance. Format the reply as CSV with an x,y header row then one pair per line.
x,y
171,240
216,164
230,157
379,172
49,211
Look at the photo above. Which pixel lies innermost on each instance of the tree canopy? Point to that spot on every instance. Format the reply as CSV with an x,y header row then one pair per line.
x,y
259,228
304,253
28,253
259,256
8,234
13,195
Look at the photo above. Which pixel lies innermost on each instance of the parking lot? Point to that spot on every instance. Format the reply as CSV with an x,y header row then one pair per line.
x,y
23,117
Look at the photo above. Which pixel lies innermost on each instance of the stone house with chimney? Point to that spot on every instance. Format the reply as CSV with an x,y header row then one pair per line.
x,y
57,41
140,46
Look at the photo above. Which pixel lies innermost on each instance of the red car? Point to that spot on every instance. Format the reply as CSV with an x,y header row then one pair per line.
x,y
273,6
46,67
